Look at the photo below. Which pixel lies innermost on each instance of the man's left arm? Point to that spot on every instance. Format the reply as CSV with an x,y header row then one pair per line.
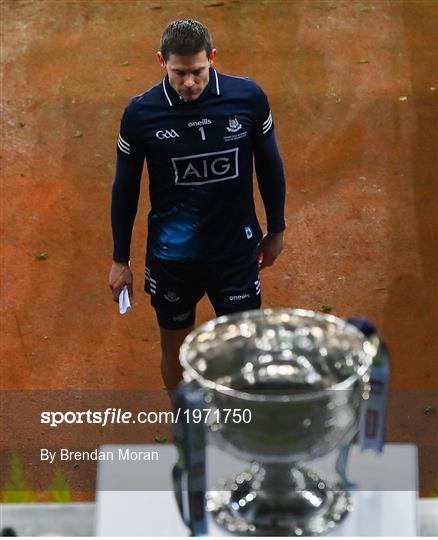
x,y
272,186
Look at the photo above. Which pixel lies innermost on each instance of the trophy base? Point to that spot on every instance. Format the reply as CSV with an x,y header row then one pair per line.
x,y
256,504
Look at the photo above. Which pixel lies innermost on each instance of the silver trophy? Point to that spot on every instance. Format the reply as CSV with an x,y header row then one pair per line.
x,y
304,377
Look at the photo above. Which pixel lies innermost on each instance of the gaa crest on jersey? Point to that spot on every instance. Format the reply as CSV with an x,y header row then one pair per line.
x,y
166,134
233,124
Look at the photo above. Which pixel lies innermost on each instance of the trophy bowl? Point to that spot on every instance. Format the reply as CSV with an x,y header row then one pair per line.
x,y
302,377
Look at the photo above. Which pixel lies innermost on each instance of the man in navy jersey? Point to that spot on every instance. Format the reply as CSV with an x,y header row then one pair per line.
x,y
199,131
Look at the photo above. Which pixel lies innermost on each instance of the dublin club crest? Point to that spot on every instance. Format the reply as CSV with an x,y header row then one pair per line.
x,y
171,296
233,124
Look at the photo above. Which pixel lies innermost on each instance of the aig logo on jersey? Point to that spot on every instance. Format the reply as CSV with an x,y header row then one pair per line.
x,y
166,134
206,168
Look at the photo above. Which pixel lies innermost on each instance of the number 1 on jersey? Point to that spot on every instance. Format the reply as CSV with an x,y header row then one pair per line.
x,y
201,129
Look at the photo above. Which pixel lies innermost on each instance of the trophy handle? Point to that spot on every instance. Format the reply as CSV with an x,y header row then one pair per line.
x,y
341,466
189,471
372,427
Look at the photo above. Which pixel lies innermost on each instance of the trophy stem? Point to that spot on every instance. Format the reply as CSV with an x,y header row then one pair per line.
x,y
278,477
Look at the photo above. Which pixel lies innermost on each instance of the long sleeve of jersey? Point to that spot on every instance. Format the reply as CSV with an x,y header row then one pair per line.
x,y
269,168
271,181
126,190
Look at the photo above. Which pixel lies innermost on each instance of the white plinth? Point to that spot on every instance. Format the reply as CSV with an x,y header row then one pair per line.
x,y
384,501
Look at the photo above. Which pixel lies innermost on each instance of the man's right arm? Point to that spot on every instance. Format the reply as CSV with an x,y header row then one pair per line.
x,y
124,203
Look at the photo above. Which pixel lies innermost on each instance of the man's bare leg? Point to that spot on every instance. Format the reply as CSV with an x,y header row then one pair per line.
x,y
171,341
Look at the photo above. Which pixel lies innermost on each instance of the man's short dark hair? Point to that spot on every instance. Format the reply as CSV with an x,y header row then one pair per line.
x,y
185,37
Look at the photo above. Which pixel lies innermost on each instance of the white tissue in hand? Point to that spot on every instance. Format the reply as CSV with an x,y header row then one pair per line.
x,y
124,302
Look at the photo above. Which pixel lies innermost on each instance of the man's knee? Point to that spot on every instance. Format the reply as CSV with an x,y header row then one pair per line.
x,y
171,340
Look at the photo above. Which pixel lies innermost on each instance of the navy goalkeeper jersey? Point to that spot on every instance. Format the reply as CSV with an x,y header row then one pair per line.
x,y
199,157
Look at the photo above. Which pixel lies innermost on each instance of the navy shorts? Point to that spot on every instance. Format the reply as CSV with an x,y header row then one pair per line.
x,y
176,287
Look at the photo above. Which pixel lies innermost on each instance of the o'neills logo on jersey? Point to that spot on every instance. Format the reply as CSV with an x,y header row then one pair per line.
x,y
237,297
206,168
203,122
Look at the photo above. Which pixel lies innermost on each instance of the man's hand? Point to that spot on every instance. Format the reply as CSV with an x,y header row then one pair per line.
x,y
269,249
120,275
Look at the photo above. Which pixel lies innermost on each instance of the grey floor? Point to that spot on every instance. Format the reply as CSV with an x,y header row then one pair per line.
x,y
77,519
49,519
